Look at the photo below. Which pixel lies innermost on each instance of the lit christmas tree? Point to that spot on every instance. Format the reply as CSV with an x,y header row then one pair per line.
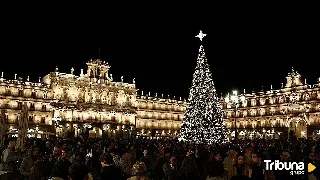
x,y
203,121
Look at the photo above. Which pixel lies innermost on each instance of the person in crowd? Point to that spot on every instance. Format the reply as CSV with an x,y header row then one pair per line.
x,y
127,162
163,158
214,167
280,175
47,166
170,169
61,167
247,155
256,170
9,161
311,159
201,160
189,169
31,166
47,149
133,152
148,160
109,169
239,167
56,152
114,152
229,161
139,170
317,164
78,172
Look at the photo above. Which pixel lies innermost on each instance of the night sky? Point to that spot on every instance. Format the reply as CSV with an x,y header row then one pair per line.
x,y
161,53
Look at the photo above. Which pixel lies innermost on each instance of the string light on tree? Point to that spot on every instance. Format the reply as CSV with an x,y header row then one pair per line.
x,y
203,121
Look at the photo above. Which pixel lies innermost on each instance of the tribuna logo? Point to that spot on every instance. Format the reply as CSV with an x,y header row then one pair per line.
x,y
277,165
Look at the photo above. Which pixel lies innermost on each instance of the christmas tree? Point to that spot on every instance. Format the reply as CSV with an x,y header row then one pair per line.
x,y
203,121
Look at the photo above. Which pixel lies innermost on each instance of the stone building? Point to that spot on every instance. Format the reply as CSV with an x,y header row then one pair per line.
x,y
295,109
89,104
92,104
159,116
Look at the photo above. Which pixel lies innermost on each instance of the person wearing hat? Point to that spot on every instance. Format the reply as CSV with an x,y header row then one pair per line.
x,y
9,160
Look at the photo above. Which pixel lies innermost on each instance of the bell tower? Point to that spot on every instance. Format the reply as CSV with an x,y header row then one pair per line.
x,y
293,79
98,70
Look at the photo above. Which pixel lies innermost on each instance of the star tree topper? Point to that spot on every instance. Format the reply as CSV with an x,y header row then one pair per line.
x,y
201,35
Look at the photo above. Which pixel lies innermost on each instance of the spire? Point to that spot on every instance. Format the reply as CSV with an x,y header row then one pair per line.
x,y
292,69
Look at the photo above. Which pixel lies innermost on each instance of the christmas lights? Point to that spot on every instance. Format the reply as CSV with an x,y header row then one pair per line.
x,y
203,120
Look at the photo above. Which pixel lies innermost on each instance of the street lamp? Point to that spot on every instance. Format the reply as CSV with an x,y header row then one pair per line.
x,y
235,103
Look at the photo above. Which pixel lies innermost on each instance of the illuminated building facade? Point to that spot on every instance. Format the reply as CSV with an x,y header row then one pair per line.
x,y
89,104
295,109
93,104
159,116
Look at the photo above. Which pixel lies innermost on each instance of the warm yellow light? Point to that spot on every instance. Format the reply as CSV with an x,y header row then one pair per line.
x,y
235,92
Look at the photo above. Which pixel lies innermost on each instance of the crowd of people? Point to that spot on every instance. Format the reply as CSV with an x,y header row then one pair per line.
x,y
165,159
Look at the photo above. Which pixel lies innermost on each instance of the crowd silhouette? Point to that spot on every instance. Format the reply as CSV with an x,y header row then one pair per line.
x,y
150,159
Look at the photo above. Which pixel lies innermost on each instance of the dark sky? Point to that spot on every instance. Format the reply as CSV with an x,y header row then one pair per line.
x,y
161,52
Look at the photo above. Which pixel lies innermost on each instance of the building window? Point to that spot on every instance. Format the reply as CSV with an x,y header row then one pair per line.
x,y
45,96
258,102
30,119
44,108
33,94
249,103
32,108
21,92
267,101
8,92
253,102
43,120
19,105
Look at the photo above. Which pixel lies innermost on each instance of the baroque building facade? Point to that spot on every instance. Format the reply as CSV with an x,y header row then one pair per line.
x,y
294,109
93,104
89,104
